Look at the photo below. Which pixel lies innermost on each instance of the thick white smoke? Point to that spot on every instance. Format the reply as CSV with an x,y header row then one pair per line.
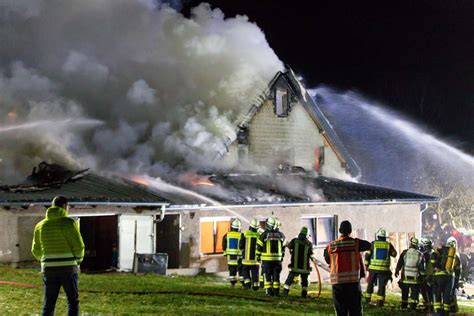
x,y
122,85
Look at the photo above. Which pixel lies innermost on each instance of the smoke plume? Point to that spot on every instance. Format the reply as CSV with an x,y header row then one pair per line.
x,y
129,86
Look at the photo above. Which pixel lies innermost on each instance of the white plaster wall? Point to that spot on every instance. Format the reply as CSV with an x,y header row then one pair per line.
x,y
394,217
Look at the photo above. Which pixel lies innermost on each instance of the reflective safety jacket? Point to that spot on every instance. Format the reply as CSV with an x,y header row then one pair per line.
x,y
379,256
231,243
271,245
344,260
301,250
248,246
409,263
57,241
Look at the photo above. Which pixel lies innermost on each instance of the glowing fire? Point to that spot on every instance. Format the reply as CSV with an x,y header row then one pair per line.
x,y
140,180
202,181
12,115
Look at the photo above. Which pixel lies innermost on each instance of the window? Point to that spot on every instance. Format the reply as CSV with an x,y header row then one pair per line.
x,y
322,229
281,102
212,232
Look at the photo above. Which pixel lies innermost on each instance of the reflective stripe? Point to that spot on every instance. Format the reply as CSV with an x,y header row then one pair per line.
x,y
344,261
250,253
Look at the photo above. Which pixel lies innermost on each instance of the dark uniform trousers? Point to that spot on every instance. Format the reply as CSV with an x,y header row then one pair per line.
x,y
272,273
426,290
411,290
382,280
251,276
347,299
443,293
292,275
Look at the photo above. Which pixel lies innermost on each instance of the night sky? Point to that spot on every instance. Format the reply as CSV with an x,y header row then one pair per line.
x,y
413,56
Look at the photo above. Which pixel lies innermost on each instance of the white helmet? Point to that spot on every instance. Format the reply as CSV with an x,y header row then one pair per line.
x,y
254,223
451,242
236,224
382,232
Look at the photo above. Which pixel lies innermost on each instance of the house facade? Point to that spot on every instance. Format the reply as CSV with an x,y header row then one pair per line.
x,y
189,231
286,129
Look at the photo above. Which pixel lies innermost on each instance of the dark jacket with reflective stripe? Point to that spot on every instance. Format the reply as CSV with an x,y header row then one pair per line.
x,y
301,250
57,241
248,246
271,245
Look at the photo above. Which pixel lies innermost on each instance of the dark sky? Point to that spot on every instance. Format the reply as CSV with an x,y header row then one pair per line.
x,y
415,56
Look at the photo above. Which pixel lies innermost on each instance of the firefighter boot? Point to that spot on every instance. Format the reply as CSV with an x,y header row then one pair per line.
x,y
304,293
276,291
380,303
269,292
413,306
286,291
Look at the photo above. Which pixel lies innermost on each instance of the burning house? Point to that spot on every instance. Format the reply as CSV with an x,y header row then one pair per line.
x,y
285,128
187,221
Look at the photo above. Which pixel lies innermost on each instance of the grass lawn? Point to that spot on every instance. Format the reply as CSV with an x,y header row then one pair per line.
x,y
126,293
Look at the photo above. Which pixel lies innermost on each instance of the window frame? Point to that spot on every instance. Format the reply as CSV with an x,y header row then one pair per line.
x,y
284,93
314,222
213,220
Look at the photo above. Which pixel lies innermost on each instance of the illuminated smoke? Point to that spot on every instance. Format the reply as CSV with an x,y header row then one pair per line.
x,y
167,88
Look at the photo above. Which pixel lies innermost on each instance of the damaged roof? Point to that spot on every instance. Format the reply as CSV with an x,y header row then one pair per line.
x,y
287,188
84,187
80,187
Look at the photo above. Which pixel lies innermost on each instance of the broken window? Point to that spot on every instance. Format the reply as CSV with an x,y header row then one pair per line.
x,y
281,102
212,233
322,229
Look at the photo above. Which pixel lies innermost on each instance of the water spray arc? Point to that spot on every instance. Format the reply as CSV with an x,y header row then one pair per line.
x,y
163,186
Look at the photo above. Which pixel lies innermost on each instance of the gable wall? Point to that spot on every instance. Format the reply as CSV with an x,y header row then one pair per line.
x,y
296,134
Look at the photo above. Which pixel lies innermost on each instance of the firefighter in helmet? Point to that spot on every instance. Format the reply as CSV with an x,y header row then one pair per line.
x,y
426,273
447,269
378,262
271,246
250,255
231,246
409,265
301,250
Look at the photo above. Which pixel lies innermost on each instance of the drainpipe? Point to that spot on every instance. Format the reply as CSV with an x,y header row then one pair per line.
x,y
162,214
424,207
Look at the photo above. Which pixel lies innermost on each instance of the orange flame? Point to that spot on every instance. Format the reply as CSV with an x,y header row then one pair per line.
x,y
139,180
202,181
12,115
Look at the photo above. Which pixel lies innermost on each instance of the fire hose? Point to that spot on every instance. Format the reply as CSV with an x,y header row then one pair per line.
x,y
315,265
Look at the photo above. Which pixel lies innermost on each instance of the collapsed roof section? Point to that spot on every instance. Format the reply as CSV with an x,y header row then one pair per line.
x,y
80,187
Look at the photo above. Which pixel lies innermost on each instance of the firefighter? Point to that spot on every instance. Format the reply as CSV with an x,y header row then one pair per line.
x,y
301,250
271,246
378,262
250,256
447,269
409,265
426,273
231,246
343,257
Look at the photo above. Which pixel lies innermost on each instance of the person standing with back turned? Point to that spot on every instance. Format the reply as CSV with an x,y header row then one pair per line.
x,y
57,243
343,257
